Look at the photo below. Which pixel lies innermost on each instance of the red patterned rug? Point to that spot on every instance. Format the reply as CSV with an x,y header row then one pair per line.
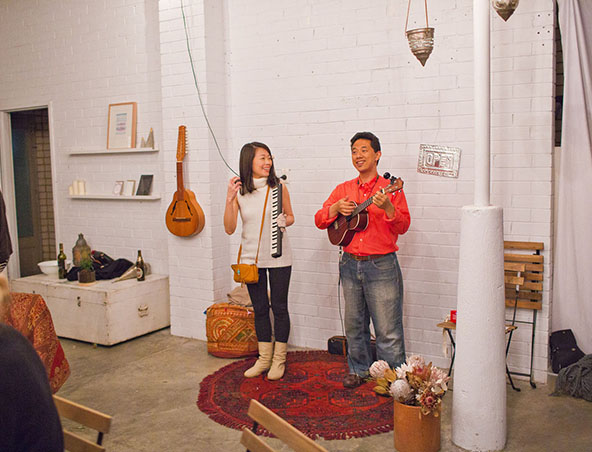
x,y
311,397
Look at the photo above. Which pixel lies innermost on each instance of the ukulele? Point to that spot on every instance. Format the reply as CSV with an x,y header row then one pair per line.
x,y
184,217
341,232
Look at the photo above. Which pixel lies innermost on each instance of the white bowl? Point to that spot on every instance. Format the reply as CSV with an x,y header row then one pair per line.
x,y
50,268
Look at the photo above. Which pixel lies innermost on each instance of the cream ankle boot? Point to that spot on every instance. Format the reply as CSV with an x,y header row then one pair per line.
x,y
278,364
263,362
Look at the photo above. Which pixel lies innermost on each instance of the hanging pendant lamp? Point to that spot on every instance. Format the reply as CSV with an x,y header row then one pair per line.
x,y
421,40
505,8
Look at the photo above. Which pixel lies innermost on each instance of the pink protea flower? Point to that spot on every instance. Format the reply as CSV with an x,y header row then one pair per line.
x,y
401,391
402,370
439,380
412,383
429,402
378,368
416,361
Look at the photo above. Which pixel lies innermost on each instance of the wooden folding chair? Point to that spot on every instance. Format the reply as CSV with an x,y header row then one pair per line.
x,y
85,416
274,424
513,278
529,294
523,278
509,279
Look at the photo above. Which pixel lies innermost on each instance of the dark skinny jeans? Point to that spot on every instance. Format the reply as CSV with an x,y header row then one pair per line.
x,y
279,282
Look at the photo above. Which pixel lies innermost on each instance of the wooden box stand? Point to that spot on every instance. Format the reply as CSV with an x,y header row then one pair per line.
x,y
105,312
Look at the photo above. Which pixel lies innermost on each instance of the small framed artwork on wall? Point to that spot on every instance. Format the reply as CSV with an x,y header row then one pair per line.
x,y
145,185
128,187
118,187
121,130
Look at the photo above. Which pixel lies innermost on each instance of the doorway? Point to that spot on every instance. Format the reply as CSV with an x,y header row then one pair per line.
x,y
33,190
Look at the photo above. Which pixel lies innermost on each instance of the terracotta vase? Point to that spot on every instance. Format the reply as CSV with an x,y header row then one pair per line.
x,y
415,432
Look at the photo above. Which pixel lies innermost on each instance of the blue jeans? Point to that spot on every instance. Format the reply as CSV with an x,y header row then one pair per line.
x,y
373,289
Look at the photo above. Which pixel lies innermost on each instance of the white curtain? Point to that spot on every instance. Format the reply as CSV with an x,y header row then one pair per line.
x,y
572,283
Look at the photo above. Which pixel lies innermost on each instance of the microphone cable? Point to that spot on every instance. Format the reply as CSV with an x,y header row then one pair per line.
x,y
199,92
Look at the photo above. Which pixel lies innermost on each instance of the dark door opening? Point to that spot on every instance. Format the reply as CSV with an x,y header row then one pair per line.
x,y
33,189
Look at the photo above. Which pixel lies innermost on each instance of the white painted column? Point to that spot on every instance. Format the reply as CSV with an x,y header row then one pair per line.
x,y
479,396
482,74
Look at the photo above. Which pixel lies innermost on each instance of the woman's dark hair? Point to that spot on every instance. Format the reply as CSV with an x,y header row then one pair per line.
x,y
247,155
374,142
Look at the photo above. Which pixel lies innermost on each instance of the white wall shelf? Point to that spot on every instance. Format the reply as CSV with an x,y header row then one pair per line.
x,y
115,151
117,197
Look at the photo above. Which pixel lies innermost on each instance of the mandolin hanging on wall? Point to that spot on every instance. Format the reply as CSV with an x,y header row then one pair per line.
x,y
184,217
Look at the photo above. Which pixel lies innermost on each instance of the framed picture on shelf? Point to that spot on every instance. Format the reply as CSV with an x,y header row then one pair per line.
x,y
145,185
129,187
121,130
118,187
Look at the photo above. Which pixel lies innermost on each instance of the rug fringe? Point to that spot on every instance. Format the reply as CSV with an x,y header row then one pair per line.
x,y
354,433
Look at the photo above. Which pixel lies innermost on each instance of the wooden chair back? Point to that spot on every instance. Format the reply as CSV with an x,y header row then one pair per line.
x,y
85,416
523,265
530,293
274,424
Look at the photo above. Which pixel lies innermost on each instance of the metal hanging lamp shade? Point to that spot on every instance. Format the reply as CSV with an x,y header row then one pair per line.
x,y
421,40
505,8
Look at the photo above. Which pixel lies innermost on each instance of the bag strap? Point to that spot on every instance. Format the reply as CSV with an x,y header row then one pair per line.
x,y
260,231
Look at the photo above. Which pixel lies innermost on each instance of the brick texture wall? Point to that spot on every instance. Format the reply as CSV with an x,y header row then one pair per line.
x,y
302,78
77,58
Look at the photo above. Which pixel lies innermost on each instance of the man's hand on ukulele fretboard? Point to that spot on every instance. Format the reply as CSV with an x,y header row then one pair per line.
x,y
381,200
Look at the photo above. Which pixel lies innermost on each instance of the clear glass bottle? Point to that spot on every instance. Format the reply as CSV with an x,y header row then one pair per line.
x,y
140,267
61,263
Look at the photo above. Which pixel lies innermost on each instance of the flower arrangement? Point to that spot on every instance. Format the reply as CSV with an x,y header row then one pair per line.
x,y
413,383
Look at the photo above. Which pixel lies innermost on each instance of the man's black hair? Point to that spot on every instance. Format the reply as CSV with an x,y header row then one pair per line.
x,y
374,142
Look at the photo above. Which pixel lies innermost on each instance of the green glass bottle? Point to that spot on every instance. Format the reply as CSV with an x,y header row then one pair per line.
x,y
61,263
140,267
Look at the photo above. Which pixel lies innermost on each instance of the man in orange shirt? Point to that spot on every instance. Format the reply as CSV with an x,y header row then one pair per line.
x,y
369,269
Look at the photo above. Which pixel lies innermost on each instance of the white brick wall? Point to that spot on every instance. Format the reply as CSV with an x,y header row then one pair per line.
x,y
303,79
198,266
78,57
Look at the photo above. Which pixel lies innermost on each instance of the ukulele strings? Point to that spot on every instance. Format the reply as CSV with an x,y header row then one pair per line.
x,y
199,92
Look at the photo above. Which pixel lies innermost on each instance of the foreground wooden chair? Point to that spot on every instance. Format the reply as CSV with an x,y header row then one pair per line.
x,y
85,416
289,434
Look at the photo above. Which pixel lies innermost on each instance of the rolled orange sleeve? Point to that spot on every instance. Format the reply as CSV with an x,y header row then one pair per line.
x,y
400,223
322,218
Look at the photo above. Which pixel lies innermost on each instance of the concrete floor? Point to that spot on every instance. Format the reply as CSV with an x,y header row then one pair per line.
x,y
150,387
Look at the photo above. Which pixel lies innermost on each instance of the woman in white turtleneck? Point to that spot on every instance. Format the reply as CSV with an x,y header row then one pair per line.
x,y
247,195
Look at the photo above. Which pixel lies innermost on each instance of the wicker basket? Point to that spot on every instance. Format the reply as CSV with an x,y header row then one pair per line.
x,y
230,330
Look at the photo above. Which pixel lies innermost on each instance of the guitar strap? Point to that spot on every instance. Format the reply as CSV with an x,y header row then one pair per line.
x,y
260,231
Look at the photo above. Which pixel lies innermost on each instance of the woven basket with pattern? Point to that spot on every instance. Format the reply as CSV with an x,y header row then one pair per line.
x,y
230,330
